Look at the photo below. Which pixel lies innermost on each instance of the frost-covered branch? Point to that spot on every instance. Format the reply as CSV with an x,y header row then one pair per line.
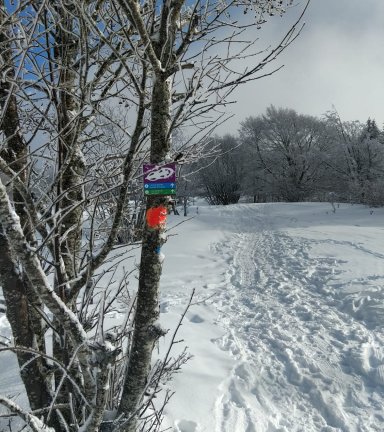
x,y
31,420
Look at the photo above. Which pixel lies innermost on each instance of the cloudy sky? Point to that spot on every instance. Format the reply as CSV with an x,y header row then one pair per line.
x,y
337,60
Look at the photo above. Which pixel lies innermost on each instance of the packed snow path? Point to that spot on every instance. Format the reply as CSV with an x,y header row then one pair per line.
x,y
309,355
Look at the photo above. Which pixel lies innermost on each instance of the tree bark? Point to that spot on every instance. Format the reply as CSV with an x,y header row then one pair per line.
x,y
34,375
145,333
19,295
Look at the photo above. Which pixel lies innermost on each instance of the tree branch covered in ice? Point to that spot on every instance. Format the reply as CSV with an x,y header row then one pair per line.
x,y
89,91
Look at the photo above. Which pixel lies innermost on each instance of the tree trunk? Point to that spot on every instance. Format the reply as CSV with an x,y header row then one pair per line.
x,y
146,333
20,297
175,211
34,375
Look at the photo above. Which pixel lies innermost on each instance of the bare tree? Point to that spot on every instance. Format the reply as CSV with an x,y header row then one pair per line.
x,y
355,159
223,177
287,149
63,64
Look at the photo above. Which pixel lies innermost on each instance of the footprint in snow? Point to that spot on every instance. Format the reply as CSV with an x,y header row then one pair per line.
x,y
186,426
196,319
164,307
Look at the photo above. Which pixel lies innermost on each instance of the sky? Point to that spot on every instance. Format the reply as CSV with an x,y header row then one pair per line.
x,y
337,60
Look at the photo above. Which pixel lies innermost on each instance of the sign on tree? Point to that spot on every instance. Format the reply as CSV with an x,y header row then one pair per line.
x,y
159,180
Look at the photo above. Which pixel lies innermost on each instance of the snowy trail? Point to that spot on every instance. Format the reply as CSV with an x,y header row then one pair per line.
x,y
306,356
292,339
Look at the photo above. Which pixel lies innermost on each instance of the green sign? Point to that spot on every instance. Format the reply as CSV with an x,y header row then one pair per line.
x,y
160,191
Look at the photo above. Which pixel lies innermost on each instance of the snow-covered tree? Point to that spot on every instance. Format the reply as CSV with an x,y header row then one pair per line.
x,y
169,65
372,129
222,178
287,148
356,159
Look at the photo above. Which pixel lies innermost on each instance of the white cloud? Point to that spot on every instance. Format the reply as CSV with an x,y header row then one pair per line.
x,y
338,59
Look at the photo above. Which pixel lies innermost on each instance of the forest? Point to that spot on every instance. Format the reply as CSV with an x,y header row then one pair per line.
x,y
285,156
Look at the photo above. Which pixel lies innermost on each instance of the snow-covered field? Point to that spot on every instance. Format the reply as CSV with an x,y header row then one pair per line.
x,y
292,339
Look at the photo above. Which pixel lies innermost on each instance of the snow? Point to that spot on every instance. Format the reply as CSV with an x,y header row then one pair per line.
x,y
161,257
293,340
290,335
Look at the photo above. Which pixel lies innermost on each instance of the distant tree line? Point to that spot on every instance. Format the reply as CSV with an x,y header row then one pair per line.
x,y
285,156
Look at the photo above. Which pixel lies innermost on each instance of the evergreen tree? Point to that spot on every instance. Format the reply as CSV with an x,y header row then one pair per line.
x,y
372,130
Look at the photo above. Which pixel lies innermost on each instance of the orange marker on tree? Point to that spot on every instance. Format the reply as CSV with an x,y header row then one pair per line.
x,y
156,217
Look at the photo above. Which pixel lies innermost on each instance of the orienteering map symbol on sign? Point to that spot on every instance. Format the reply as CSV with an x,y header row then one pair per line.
x,y
159,180
162,173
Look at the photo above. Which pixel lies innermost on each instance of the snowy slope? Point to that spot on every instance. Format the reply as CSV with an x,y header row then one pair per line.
x,y
300,311
292,339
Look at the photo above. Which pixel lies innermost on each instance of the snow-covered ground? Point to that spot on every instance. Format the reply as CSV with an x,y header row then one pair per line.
x,y
292,339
